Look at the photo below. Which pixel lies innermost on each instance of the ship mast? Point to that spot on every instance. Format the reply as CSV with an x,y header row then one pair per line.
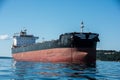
x,y
82,26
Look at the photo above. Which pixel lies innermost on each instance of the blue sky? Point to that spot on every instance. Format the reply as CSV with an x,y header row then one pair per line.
x,y
50,18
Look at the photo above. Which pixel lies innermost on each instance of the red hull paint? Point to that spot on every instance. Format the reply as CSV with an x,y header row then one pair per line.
x,y
72,55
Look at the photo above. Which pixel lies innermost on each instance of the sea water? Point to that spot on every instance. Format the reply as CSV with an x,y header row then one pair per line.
x,y
13,70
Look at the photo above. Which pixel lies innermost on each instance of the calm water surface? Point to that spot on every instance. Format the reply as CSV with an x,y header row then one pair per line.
x,y
9,70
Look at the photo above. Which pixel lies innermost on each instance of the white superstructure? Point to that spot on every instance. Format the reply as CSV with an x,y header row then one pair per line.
x,y
23,39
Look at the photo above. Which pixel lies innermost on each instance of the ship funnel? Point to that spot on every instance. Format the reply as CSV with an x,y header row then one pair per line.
x,y
82,26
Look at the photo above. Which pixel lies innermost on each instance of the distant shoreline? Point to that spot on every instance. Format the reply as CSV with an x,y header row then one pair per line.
x,y
108,55
5,57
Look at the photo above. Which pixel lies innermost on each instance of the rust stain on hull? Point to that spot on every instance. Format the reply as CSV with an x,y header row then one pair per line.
x,y
72,55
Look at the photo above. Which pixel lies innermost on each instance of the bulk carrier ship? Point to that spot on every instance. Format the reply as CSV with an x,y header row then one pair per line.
x,y
74,47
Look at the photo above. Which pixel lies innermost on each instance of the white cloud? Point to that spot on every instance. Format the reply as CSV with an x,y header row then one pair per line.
x,y
4,37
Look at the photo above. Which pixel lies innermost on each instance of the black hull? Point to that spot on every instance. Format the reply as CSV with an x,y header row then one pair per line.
x,y
68,40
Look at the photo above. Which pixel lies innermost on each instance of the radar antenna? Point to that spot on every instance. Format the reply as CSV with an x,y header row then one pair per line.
x,y
24,29
82,26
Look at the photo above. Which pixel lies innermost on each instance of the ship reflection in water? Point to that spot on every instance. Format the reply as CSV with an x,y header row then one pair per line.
x,y
52,71
104,70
